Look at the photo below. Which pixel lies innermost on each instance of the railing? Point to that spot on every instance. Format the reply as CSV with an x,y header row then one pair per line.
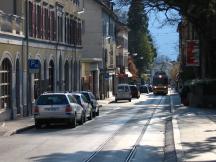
x,y
12,24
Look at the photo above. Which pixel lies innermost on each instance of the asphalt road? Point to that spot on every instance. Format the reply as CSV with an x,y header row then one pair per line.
x,y
124,131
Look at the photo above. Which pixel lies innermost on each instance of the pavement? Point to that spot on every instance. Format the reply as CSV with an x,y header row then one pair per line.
x,y
194,130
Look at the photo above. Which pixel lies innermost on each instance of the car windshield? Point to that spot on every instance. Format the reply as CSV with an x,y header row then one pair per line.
x,y
87,96
52,100
121,88
77,97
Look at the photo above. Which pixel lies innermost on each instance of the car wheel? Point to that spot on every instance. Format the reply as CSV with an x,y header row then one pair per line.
x,y
90,116
85,117
72,122
94,114
82,119
37,124
97,113
129,100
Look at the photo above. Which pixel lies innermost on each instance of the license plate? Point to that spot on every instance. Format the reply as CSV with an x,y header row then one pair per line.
x,y
52,109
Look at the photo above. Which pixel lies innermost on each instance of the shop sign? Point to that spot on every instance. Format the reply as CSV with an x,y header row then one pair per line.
x,y
192,53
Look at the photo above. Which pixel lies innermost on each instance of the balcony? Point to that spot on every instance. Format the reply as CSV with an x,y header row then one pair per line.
x,y
11,24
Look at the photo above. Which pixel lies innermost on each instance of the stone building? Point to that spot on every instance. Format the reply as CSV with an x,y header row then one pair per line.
x,y
99,52
40,44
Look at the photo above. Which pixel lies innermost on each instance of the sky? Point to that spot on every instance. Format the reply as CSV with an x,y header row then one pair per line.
x,y
165,38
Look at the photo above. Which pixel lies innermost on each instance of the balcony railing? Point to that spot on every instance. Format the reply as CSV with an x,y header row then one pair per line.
x,y
11,24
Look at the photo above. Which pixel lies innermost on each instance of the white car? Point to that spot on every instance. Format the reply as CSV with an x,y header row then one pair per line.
x,y
123,92
82,101
58,107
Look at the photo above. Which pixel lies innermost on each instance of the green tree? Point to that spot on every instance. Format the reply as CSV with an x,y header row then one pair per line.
x,y
139,39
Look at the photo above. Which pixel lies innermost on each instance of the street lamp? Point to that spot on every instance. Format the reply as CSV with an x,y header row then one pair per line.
x,y
134,54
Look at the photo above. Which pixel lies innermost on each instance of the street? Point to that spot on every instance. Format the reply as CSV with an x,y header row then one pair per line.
x,y
135,131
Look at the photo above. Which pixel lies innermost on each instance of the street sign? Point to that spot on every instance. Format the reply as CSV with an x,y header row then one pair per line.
x,y
106,76
192,54
33,65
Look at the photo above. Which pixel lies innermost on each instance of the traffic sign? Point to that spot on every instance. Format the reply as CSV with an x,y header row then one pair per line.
x,y
106,76
34,65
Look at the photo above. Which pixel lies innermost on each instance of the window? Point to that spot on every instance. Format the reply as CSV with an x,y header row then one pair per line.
x,y
39,21
72,99
52,100
60,25
51,76
5,84
37,78
31,22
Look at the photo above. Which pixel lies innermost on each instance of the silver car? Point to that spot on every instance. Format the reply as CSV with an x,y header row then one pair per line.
x,y
123,92
82,101
58,107
93,101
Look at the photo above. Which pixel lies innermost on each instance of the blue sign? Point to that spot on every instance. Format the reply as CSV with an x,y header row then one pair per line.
x,y
34,65
106,76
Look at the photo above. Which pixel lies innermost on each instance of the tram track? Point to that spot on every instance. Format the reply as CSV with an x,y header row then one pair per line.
x,y
132,122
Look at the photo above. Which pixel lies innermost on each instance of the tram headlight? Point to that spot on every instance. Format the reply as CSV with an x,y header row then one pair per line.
x,y
155,86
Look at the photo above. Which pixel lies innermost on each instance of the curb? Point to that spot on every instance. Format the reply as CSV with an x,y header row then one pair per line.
x,y
20,130
176,134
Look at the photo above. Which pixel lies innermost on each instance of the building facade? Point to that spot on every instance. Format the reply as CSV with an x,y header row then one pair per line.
x,y
188,52
46,32
122,53
99,42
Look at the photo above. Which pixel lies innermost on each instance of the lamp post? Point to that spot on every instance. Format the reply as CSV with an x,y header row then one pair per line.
x,y
28,77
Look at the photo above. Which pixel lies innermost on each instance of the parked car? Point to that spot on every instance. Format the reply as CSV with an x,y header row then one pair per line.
x,y
93,101
134,91
82,101
144,89
57,107
123,92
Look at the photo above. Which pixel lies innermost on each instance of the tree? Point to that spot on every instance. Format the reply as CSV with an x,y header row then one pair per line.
x,y
139,39
202,14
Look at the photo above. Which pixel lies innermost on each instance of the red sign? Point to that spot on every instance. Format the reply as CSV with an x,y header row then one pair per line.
x,y
192,53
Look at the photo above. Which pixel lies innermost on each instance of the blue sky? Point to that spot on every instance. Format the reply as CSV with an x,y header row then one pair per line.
x,y
166,38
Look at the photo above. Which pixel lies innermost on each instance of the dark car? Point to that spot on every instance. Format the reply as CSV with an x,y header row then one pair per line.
x,y
134,91
92,100
144,89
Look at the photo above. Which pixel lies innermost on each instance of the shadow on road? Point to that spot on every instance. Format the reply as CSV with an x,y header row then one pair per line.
x,y
150,153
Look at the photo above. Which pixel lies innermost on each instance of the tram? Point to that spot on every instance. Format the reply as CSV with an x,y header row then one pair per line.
x,y
160,83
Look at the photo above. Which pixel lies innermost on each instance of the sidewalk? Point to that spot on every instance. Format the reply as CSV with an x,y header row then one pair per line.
x,y
194,132
106,101
8,128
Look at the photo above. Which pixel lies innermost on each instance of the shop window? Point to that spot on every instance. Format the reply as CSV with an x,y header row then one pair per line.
x,y
5,84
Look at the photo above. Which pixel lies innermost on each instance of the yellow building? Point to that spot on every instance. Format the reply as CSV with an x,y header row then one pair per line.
x,y
40,43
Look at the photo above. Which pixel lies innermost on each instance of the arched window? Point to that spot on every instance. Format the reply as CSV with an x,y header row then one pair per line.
x,y
18,86
37,79
72,75
60,74
75,75
66,70
5,84
51,76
